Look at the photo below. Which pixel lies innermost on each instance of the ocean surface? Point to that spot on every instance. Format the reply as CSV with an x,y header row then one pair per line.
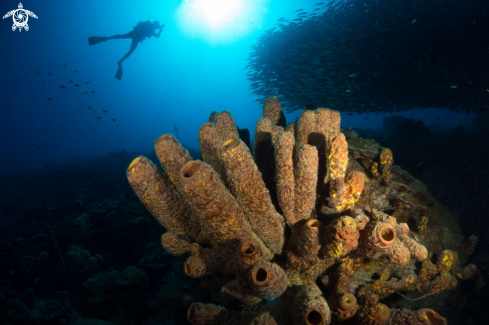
x,y
77,246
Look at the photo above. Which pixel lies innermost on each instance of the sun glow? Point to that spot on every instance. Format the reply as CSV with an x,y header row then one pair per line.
x,y
220,21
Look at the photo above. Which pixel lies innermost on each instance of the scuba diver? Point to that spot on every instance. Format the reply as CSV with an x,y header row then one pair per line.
x,y
138,34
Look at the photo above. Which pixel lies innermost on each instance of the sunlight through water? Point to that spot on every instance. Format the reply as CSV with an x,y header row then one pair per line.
x,y
220,21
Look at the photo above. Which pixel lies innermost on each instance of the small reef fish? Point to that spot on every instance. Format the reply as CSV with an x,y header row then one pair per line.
x,y
86,83
77,85
64,65
70,81
454,87
92,91
49,98
104,111
113,119
353,75
62,87
89,107
49,73
99,116
75,71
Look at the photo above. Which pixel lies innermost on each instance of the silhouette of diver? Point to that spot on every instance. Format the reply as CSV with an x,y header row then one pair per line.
x,y
138,34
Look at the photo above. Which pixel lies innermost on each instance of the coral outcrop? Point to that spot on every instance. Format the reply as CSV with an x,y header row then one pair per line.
x,y
303,227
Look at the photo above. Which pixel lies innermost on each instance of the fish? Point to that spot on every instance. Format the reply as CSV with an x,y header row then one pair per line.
x,y
64,65
454,86
366,118
49,73
70,81
85,93
75,71
104,111
77,85
86,83
92,91
309,107
89,107
26,74
99,117
62,87
49,98
363,60
113,119
64,127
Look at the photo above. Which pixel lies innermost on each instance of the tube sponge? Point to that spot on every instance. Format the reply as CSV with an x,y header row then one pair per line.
x,y
220,216
162,199
273,110
310,307
204,261
201,314
306,178
337,156
245,182
284,150
267,280
174,244
418,317
341,237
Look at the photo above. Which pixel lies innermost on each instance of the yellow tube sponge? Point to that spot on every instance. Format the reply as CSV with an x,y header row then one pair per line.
x,y
337,156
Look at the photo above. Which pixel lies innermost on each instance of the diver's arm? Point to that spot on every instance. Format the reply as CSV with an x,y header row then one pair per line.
x,y
157,35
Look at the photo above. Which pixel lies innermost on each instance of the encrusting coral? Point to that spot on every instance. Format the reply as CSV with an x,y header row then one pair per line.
x,y
304,221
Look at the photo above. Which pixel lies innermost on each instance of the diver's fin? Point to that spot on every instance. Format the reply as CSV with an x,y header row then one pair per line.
x,y
96,39
118,74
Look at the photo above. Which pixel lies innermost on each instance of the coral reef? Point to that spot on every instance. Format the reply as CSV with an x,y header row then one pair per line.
x,y
302,228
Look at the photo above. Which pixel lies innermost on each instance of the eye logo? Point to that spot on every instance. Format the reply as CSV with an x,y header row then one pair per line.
x,y
20,17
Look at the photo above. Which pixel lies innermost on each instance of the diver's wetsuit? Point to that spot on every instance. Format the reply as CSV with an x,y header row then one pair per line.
x,y
138,34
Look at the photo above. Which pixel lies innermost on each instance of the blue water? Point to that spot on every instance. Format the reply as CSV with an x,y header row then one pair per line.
x,y
178,79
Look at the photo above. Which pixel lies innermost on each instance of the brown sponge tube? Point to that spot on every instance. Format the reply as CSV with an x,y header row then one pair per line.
x,y
225,126
162,199
250,192
200,314
220,216
267,280
310,307
209,143
273,110
174,244
306,178
171,155
284,151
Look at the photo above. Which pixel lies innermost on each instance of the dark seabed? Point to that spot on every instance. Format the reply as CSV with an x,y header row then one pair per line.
x,y
253,162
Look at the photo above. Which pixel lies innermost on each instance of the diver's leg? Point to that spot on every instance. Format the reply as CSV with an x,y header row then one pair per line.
x,y
120,36
134,44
